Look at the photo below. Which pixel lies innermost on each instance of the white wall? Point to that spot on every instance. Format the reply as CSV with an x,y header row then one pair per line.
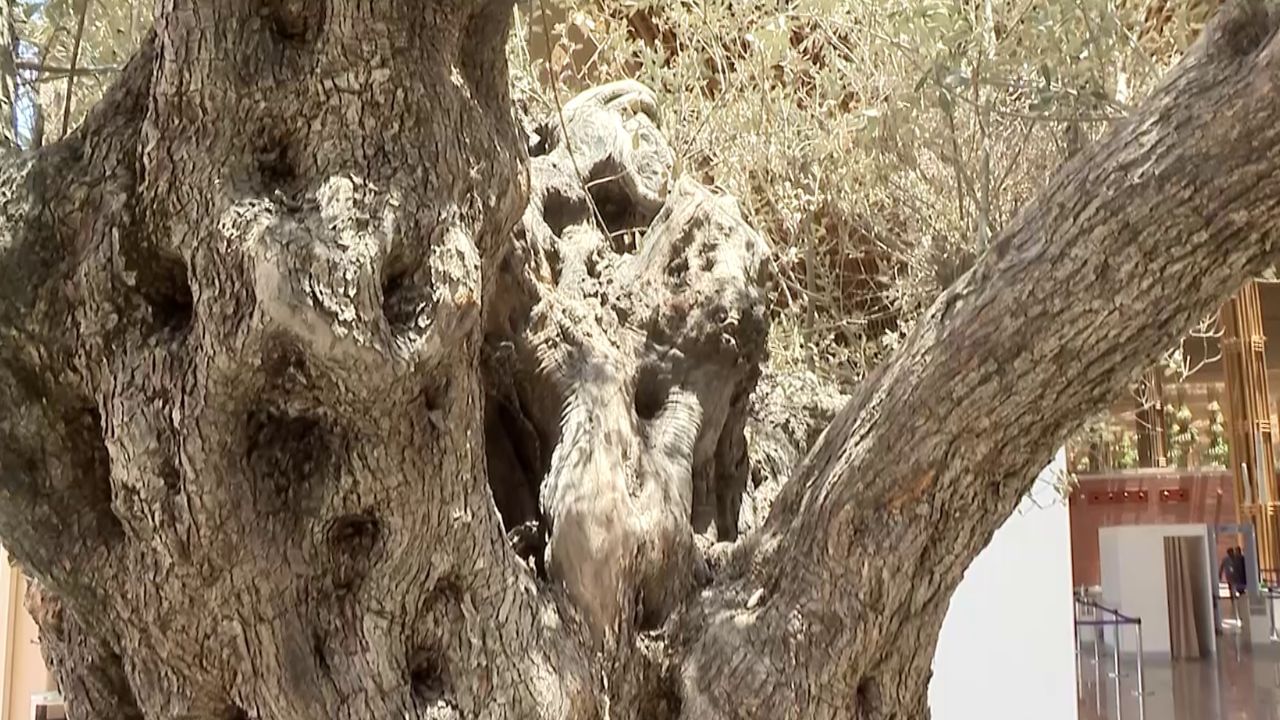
x,y
1133,579
1007,648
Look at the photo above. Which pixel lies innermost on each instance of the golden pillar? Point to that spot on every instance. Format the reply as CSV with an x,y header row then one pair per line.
x,y
1151,426
1244,358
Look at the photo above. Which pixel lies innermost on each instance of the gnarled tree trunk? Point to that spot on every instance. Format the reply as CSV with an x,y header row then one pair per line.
x,y
321,397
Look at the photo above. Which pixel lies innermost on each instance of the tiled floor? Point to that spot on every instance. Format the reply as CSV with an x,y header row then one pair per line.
x,y
1241,683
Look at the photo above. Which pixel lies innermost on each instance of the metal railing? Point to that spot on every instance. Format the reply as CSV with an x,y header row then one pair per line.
x,y
1269,578
1091,615
1269,589
1270,595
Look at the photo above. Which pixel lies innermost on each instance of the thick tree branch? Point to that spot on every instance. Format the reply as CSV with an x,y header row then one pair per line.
x,y
239,398
1127,247
55,495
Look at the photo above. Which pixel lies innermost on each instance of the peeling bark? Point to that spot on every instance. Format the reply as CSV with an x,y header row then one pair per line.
x,y
320,398
638,325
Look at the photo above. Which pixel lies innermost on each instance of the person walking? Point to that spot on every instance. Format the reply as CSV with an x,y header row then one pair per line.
x,y
1228,572
1242,572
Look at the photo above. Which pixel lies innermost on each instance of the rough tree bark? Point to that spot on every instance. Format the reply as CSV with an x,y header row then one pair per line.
x,y
321,397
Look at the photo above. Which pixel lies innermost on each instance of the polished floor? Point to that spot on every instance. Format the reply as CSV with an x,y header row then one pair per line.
x,y
1241,683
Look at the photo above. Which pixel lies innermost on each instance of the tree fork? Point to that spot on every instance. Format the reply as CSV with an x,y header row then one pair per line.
x,y
1128,244
249,450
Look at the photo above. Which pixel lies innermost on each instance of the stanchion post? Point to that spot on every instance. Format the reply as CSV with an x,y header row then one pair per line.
x,y
1270,599
1097,666
1115,634
1079,665
1142,684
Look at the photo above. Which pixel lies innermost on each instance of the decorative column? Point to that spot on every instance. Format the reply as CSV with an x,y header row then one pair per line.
x,y
10,602
1249,421
1151,427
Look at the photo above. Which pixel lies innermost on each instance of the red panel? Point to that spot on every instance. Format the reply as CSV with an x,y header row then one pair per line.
x,y
1193,498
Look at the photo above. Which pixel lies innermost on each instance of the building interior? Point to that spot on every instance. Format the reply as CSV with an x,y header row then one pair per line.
x,y
1164,488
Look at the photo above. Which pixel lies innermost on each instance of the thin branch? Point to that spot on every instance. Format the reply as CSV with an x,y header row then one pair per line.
x,y
1017,156
37,124
46,70
564,128
1038,117
75,59
10,80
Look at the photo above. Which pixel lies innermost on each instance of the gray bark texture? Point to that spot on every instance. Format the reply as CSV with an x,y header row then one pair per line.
x,y
323,393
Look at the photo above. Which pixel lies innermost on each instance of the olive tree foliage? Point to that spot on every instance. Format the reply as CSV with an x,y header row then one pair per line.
x,y
877,145
880,144
62,55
